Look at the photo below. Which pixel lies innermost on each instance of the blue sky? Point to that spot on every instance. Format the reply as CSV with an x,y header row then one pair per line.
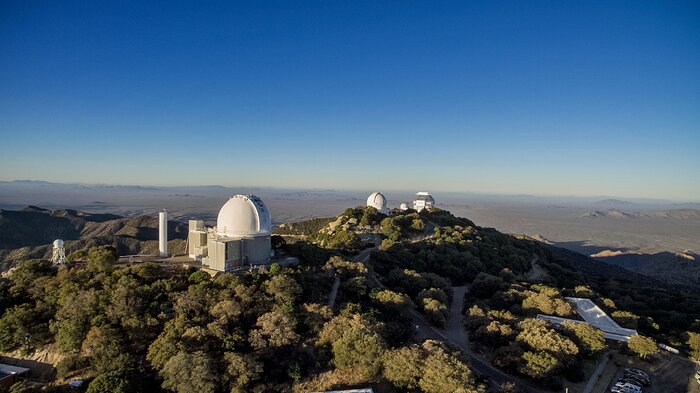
x,y
551,98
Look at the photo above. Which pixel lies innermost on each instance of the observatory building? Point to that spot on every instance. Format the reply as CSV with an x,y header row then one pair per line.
x,y
403,206
378,201
240,238
423,201
58,257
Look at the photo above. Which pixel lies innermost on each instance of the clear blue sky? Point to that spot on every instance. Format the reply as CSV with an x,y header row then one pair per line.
x,y
551,97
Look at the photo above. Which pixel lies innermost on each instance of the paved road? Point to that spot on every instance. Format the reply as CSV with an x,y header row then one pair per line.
x,y
600,368
334,292
454,334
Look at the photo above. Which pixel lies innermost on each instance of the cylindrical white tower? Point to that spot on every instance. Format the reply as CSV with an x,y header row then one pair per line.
x,y
163,233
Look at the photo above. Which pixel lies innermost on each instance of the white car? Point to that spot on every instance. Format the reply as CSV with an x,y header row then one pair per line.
x,y
629,387
617,389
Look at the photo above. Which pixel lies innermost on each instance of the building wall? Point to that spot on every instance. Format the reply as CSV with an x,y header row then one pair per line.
x,y
195,242
196,239
257,250
227,254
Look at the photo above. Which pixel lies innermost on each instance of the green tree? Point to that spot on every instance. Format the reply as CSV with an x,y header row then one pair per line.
x,y
693,342
546,302
347,319
315,316
444,372
539,364
592,340
104,346
25,387
275,329
23,325
495,333
198,277
625,319
539,336
359,349
112,382
168,343
394,301
241,370
100,259
283,288
72,321
190,372
403,366
485,285
26,273
642,346
435,310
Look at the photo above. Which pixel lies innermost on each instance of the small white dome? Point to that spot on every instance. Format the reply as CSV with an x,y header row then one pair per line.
x,y
403,206
58,243
244,215
378,201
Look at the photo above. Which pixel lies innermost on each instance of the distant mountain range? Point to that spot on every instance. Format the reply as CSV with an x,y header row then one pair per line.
x,y
28,233
680,214
613,202
672,268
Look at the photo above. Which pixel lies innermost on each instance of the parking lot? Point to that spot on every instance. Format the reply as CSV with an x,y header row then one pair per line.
x,y
668,374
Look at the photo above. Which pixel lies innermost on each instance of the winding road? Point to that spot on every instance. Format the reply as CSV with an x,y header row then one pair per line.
x,y
454,334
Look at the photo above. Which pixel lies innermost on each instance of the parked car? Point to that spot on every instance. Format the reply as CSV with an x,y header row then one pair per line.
x,y
637,371
637,374
630,381
629,387
641,381
621,389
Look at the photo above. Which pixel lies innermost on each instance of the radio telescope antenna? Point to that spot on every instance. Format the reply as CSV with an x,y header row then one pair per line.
x,y
59,253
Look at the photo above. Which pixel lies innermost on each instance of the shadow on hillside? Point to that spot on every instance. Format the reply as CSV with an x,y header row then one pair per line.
x,y
586,248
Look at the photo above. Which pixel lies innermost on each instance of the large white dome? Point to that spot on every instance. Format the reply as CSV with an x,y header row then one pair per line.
x,y
244,215
378,201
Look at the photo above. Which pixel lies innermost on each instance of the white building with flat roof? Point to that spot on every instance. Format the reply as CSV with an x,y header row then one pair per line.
x,y
596,317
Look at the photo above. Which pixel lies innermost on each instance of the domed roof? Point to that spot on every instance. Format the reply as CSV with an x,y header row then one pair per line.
x,y
244,215
58,243
377,201
424,196
403,206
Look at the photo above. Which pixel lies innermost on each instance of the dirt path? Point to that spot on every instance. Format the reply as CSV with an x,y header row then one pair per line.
x,y
536,273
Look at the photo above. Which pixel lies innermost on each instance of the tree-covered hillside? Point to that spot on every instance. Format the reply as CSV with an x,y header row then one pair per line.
x,y
153,327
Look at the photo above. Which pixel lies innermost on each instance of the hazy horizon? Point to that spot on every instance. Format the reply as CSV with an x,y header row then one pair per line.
x,y
484,194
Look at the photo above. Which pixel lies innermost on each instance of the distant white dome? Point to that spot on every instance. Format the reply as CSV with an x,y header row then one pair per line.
x,y
244,215
403,206
58,243
378,201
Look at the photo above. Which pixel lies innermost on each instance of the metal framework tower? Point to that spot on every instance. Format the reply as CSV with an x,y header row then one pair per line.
x,y
59,254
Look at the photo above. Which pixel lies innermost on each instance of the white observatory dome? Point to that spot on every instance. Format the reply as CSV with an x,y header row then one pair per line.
x,y
377,201
403,206
58,243
244,215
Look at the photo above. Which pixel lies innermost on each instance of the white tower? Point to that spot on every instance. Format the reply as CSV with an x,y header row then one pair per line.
x,y
163,233
59,254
